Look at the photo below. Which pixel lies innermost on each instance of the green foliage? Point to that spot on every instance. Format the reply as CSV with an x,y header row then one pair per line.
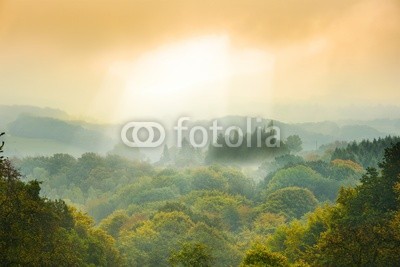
x,y
258,149
266,223
208,179
293,202
225,252
288,240
304,177
294,143
223,210
89,180
192,255
238,183
367,153
259,255
360,230
157,241
184,156
152,215
35,231
114,222
365,219
151,242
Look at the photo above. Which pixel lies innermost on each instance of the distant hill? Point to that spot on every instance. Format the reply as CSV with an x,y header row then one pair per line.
x,y
43,131
31,135
324,132
9,113
312,134
58,130
391,126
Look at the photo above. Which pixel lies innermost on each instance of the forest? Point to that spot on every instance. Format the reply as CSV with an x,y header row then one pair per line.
x,y
199,133
336,208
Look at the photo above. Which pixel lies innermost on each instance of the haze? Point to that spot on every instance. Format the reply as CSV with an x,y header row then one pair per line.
x,y
289,60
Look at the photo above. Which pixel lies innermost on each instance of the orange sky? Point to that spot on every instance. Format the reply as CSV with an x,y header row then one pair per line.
x,y
113,60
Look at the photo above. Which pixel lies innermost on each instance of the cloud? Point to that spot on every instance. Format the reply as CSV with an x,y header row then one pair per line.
x,y
106,23
325,51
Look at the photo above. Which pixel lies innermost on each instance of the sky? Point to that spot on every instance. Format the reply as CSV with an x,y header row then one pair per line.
x,y
294,60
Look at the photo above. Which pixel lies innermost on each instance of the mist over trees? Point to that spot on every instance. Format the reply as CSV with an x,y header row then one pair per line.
x,y
116,210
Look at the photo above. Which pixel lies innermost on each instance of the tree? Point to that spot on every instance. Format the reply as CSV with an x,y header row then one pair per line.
x,y
367,153
165,157
192,255
208,179
294,143
238,183
363,227
35,231
266,223
293,202
259,255
113,223
58,162
305,177
224,252
150,243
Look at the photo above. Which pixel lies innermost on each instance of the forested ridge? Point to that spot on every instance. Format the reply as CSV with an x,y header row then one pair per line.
x,y
111,211
367,153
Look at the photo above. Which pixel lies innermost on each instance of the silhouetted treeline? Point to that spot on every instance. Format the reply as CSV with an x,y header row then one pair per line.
x,y
264,143
367,153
